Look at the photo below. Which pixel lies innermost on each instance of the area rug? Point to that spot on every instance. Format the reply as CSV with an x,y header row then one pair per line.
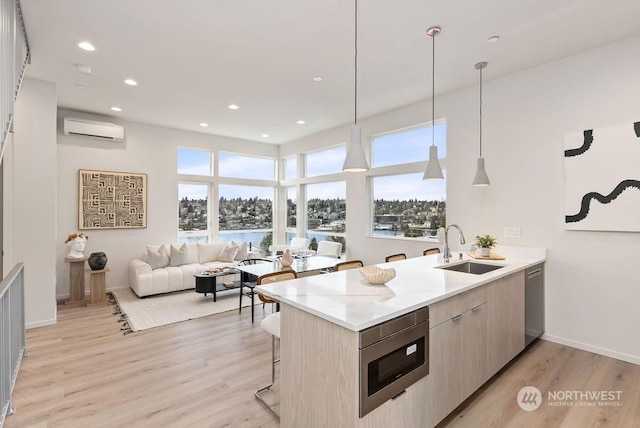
x,y
153,311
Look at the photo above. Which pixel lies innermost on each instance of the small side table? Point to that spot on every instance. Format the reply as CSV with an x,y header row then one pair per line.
x,y
76,280
97,282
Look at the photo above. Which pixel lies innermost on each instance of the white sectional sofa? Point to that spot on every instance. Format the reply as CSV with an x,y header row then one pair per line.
x,y
170,267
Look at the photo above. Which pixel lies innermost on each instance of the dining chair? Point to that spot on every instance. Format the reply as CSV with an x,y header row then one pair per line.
x,y
430,251
329,249
299,243
248,282
353,264
394,257
271,324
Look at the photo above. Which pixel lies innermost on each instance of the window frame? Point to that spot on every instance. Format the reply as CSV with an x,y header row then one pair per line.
x,y
401,169
213,182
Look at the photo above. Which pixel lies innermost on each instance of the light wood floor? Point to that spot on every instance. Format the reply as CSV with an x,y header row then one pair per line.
x,y
83,372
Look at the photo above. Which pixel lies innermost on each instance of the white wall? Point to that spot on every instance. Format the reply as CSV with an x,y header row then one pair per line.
x,y
150,150
593,287
30,199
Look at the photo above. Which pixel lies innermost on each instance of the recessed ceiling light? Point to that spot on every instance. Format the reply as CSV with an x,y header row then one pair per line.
x,y
86,46
233,107
493,39
275,125
317,79
130,82
265,135
114,108
83,69
80,86
301,122
204,125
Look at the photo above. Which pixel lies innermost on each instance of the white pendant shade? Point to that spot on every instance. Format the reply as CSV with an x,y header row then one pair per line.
x,y
433,171
355,160
481,178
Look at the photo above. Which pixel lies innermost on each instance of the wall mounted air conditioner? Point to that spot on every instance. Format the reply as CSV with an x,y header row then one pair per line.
x,y
89,128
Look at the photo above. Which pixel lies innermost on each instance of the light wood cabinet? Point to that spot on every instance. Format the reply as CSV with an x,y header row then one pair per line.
x,y
505,321
458,352
474,352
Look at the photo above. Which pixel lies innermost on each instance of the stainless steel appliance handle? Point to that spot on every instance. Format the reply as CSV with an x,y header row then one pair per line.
x,y
534,273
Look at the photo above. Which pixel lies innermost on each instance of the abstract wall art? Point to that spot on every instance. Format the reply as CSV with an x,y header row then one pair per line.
x,y
602,179
111,200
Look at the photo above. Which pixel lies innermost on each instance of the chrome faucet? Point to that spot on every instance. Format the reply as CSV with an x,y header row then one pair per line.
x,y
446,253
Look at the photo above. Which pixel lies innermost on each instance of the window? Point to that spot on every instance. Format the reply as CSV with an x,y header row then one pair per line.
x,y
192,213
325,162
326,212
244,187
403,204
246,215
290,167
240,166
292,206
407,206
408,146
194,162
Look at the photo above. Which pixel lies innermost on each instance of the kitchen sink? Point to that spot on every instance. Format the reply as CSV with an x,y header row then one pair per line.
x,y
471,267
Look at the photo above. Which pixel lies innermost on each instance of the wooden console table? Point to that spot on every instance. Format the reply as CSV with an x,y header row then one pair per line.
x,y
76,280
97,281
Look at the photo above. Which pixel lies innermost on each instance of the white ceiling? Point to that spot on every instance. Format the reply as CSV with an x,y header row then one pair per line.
x,y
192,58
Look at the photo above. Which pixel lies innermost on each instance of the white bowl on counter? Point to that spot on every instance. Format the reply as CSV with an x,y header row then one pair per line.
x,y
376,275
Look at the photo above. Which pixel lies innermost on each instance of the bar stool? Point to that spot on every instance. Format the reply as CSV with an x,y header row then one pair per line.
x,y
352,264
393,258
271,324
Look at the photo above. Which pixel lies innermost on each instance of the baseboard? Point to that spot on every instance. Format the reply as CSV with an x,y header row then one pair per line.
x,y
37,324
595,349
61,298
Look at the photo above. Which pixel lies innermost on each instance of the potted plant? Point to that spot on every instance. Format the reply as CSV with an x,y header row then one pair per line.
x,y
485,243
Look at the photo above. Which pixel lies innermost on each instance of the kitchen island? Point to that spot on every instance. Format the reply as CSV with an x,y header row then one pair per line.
x,y
478,316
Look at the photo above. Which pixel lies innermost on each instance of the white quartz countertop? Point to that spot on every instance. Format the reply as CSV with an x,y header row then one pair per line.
x,y
345,298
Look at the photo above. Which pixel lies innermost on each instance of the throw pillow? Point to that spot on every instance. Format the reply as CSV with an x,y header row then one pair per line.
x,y
192,251
210,252
145,255
243,250
178,255
228,253
157,258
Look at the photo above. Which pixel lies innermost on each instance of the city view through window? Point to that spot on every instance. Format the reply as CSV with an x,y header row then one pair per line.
x,y
403,205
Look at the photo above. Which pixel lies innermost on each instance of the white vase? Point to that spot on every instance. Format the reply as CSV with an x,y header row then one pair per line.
x,y
484,251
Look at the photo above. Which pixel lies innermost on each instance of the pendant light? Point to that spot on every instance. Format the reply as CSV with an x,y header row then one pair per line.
x,y
481,178
355,160
433,171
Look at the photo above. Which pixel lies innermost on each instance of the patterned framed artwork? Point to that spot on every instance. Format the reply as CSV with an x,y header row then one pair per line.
x,y
602,179
112,200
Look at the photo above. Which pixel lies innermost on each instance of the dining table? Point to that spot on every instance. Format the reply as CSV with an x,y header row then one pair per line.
x,y
303,266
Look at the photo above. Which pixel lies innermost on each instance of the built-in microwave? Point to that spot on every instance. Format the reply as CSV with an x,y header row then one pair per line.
x,y
393,356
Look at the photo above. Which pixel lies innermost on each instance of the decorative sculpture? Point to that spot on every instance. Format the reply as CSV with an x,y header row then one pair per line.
x,y
286,259
76,241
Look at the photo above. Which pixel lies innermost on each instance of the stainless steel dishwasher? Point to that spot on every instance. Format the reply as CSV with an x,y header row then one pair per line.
x,y
533,302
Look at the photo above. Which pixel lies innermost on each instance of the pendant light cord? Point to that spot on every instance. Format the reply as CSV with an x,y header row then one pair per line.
x,y
433,90
481,111
355,91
